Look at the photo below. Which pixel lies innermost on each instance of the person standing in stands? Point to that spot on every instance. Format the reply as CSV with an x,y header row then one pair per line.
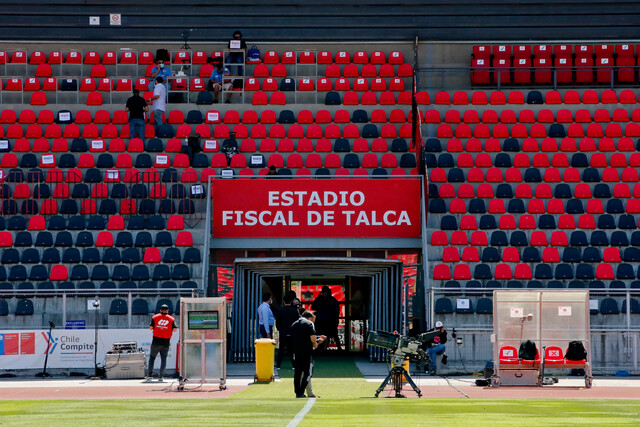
x,y
265,317
239,48
304,341
286,316
163,326
327,311
159,71
159,102
136,107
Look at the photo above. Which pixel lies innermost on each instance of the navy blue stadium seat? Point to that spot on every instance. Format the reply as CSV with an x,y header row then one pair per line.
x,y
584,272
186,207
477,206
430,160
71,256
24,308
482,272
455,175
498,238
534,284
579,160
121,273
4,308
351,161
143,161
79,272
331,98
445,160
143,240
170,175
41,191
79,145
433,145
591,254
111,256
631,255
50,256
38,273
542,271
515,206
94,175
490,254
399,145
619,238
76,222
555,284
504,191
204,98
487,222
625,272
606,222
99,273
191,255
140,307
17,223
599,238
44,239
448,222
63,239
574,206
165,131
118,307
12,256
180,272
84,239
530,254
105,161
119,191
194,117
484,306
532,175
108,285
23,239
514,284
556,130
370,131
68,207
140,273
96,222
562,191
147,207
28,160
609,306
571,255
510,145
502,160
131,255
617,284
564,272
578,238
128,285
149,284
626,221
341,145
535,97
161,272
634,306
591,175
443,306
407,160
518,238
437,206
86,285
171,256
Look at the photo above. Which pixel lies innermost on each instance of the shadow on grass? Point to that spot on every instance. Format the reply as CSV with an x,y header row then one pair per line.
x,y
327,367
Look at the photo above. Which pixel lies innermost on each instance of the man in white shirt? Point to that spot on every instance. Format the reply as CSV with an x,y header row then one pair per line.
x,y
265,317
159,101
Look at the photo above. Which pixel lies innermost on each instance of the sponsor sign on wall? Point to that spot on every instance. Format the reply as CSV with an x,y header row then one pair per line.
x,y
69,348
316,208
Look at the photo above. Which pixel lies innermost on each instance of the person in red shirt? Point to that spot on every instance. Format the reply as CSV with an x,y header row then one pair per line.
x,y
163,326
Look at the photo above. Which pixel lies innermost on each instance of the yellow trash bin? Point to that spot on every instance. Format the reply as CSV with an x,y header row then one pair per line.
x,y
265,351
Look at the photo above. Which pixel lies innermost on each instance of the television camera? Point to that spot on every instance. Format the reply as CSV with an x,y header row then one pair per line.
x,y
401,349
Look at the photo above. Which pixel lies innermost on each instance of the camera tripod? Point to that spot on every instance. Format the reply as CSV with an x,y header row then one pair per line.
x,y
395,376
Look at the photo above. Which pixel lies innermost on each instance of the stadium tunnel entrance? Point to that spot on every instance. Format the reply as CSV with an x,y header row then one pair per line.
x,y
369,292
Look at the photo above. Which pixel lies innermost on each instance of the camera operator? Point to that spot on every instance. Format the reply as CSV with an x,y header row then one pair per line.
x,y
436,346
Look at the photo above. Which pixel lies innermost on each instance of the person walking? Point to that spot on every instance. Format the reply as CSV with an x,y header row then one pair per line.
x,y
286,316
265,317
136,107
163,326
159,102
304,341
327,310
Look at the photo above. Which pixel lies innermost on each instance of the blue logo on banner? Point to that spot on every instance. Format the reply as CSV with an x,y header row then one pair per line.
x,y
75,324
1,344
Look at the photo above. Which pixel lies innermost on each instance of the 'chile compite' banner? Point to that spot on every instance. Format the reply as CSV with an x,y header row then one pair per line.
x,y
316,208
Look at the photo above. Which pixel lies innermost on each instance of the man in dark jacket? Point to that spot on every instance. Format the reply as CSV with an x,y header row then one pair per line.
x,y
327,311
286,316
304,341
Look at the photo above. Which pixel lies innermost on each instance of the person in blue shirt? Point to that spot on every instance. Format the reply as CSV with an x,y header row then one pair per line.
x,y
218,82
265,317
159,70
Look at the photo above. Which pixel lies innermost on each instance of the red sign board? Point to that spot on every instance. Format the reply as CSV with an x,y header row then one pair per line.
x,y
316,208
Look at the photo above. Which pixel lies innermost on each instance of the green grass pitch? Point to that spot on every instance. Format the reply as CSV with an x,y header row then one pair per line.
x,y
346,400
